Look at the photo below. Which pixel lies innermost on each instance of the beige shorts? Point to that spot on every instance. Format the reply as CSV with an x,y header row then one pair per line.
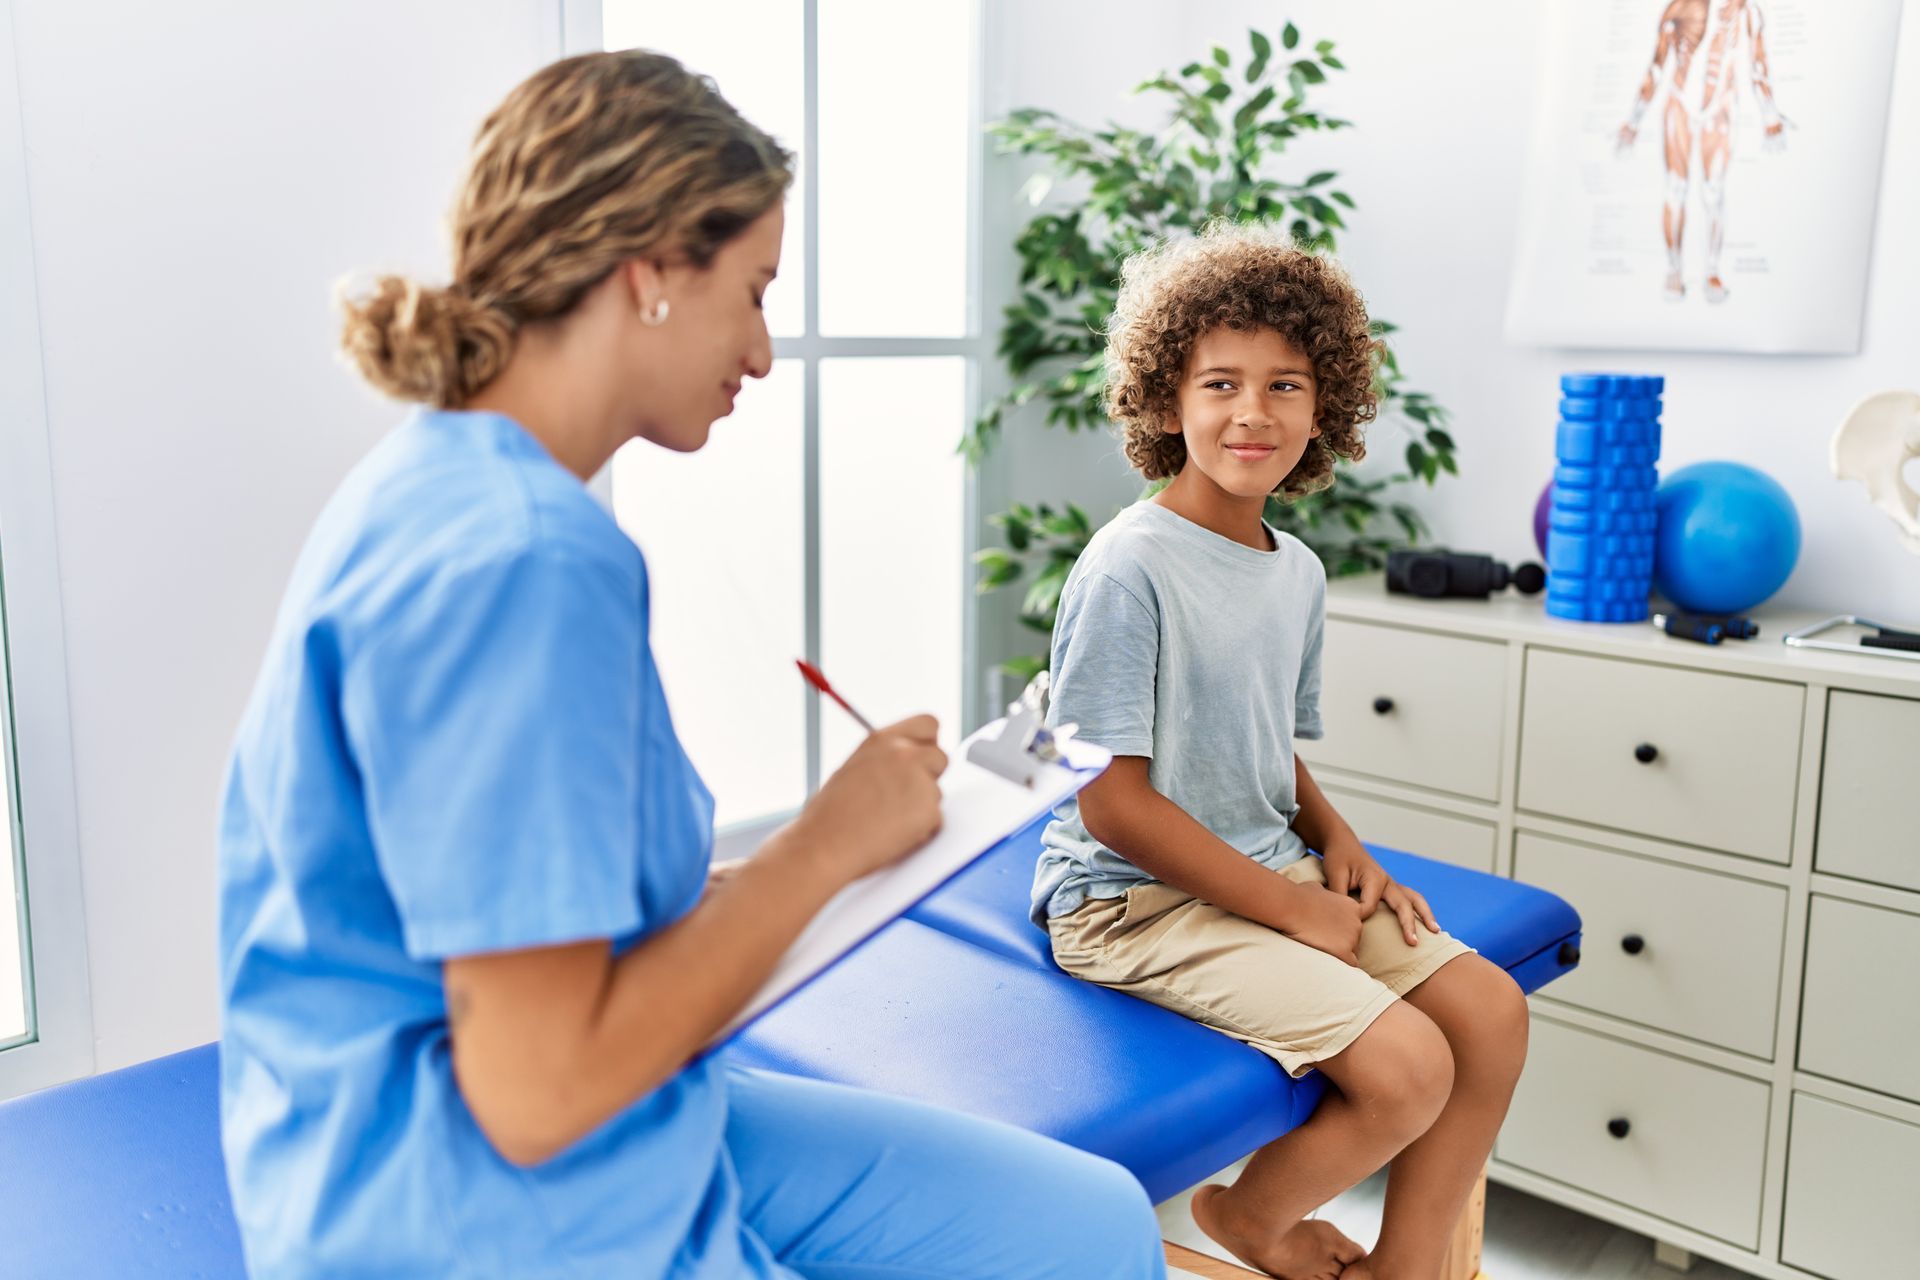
x,y
1295,1003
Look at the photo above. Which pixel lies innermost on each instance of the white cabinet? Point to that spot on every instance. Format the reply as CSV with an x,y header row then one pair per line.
x,y
1860,1019
1465,842
1739,827
1870,790
1661,1134
1853,1182
1684,755
1417,707
1692,952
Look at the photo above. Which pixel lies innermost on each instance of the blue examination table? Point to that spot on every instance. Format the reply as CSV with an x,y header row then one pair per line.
x,y
957,1003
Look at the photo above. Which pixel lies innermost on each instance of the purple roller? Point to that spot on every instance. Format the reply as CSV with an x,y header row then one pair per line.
x,y
1541,510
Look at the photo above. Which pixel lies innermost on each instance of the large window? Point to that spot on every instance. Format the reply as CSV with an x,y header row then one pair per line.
x,y
46,1022
14,1025
828,518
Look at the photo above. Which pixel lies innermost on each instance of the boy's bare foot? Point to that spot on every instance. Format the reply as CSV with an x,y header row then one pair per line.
x,y
1308,1250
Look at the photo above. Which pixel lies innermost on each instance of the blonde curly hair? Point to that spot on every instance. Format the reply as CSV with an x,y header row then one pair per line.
x,y
1243,278
591,162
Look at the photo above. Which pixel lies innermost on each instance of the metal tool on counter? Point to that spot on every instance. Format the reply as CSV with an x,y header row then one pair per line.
x,y
1880,642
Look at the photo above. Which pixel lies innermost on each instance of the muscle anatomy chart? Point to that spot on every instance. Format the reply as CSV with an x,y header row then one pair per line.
x,y
1703,174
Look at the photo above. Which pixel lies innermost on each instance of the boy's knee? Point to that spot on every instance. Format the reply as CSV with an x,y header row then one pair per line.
x,y
1429,1079
1495,1010
1508,1020
1403,1075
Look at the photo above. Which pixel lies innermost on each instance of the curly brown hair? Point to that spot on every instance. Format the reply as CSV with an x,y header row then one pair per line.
x,y
1244,278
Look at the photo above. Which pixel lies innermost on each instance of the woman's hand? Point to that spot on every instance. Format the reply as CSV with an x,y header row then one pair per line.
x,y
879,806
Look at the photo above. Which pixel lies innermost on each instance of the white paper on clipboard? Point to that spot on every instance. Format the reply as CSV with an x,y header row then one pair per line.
x,y
978,810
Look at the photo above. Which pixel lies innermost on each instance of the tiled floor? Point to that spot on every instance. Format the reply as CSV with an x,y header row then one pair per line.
x,y
1527,1238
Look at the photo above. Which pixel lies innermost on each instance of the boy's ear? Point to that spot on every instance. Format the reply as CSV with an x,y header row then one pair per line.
x,y
1170,424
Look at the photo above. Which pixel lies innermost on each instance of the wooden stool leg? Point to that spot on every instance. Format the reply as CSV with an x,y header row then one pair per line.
x,y
1469,1234
1201,1265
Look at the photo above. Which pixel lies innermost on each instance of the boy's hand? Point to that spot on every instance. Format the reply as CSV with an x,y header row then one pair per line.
x,y
1328,922
1352,870
1409,906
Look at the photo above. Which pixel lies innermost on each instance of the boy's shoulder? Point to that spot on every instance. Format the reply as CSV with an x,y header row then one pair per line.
x,y
1127,549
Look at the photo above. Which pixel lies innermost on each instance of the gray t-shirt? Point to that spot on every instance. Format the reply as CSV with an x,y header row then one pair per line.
x,y
1176,643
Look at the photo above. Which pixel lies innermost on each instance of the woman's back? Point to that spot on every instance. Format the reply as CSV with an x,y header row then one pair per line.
x,y
458,744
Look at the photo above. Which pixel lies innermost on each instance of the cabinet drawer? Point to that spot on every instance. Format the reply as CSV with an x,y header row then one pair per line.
x,y
1869,807
1691,952
1692,756
1859,1020
1694,1138
1851,1177
1412,707
1444,837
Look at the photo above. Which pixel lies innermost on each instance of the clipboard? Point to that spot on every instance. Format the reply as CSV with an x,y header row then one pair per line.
x,y
979,808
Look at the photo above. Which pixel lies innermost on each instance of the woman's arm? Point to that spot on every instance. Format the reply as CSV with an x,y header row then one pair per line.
x,y
1123,811
550,1043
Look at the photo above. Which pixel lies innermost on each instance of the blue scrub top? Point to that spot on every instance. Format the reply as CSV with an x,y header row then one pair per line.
x,y
458,744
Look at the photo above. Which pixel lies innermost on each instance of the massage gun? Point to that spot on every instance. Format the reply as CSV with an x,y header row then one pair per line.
x,y
1437,572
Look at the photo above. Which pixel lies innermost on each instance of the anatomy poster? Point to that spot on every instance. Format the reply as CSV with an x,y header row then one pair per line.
x,y
1703,174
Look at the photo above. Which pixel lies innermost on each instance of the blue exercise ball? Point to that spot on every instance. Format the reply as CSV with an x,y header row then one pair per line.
x,y
1727,538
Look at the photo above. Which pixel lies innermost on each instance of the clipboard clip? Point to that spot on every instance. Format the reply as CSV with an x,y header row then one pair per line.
x,y
1024,742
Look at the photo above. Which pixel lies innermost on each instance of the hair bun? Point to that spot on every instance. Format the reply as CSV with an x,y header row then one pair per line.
x,y
434,346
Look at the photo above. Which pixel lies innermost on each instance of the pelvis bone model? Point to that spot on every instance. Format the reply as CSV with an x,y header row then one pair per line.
x,y
1873,446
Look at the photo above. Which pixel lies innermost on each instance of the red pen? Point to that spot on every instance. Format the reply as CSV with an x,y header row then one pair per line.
x,y
819,681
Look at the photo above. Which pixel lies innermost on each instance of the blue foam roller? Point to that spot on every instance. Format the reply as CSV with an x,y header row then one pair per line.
x,y
1576,442
1567,553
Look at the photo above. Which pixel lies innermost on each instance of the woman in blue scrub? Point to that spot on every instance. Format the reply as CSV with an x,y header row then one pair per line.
x,y
469,944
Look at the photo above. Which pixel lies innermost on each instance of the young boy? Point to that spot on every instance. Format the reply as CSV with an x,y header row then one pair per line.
x,y
1188,643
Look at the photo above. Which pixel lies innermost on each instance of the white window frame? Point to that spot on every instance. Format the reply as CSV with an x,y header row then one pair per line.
x,y
583,28
46,825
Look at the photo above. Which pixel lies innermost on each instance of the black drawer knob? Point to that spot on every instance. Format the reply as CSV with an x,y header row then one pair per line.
x,y
1619,1127
1569,953
1646,753
1381,706
1633,944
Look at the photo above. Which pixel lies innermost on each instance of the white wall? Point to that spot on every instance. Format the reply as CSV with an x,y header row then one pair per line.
x,y
1441,104
200,172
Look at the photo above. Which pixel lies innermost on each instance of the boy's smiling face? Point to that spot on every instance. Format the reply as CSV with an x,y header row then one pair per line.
x,y
1245,410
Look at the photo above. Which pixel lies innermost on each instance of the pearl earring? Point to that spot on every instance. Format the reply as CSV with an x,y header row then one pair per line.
x,y
655,315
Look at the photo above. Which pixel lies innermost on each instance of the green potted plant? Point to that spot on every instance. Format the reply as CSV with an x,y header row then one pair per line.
x,y
1212,160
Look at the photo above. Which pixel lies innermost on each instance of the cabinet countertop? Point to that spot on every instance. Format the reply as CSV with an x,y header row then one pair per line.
x,y
1511,616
